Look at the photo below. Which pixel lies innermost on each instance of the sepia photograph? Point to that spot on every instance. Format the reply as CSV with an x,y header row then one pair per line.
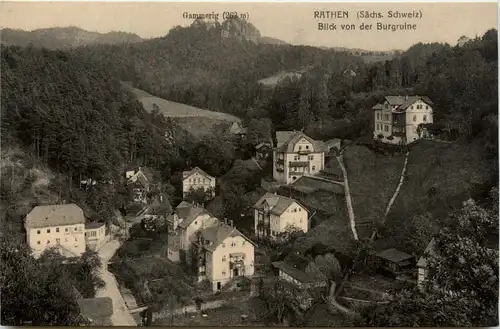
x,y
301,164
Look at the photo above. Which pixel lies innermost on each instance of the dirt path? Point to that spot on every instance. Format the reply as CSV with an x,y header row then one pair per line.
x,y
348,199
121,316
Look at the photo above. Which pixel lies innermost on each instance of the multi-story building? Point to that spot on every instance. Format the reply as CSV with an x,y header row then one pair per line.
x,y
275,214
95,235
184,223
398,119
222,253
296,154
61,226
197,179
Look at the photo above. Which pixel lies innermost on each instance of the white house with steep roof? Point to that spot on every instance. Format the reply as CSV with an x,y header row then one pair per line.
x,y
61,226
296,154
275,214
197,179
399,119
222,253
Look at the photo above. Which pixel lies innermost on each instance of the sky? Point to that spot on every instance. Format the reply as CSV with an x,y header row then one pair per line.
x,y
294,23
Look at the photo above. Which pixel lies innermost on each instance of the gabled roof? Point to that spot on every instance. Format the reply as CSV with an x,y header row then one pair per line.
x,y
98,310
149,173
160,207
216,234
394,255
295,266
277,204
187,173
262,144
237,128
422,262
189,214
142,179
54,215
403,102
287,140
184,204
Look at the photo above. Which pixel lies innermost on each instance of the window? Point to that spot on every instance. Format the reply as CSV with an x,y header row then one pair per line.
x,y
411,107
386,105
223,245
300,147
37,231
38,242
307,147
48,241
224,258
314,168
386,128
189,180
66,229
233,244
378,116
425,118
386,117
426,107
48,230
196,222
378,127
57,229
58,241
76,239
414,118
223,273
300,209
75,228
295,158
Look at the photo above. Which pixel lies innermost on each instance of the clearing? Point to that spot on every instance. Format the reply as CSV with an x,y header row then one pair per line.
x,y
184,114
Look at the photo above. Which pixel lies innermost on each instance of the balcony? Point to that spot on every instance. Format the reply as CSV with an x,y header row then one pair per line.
x,y
298,164
304,151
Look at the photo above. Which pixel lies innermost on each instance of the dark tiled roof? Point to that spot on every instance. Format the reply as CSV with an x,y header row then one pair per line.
x,y
216,234
394,255
277,204
98,310
93,226
189,214
293,137
295,266
55,215
378,107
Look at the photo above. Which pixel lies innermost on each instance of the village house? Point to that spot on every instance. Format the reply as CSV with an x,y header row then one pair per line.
x,y
93,311
296,154
263,151
275,214
397,118
422,265
159,209
297,280
393,261
59,226
95,235
189,219
221,254
197,179
238,130
142,181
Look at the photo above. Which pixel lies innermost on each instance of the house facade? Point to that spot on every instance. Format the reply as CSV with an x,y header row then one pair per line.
x,y
141,181
196,179
293,270
275,214
296,154
61,226
190,219
397,118
95,235
222,253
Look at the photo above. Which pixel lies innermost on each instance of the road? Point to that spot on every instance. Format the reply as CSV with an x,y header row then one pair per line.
x,y
121,315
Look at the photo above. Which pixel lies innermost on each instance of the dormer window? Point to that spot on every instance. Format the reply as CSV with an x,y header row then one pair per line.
x,y
233,244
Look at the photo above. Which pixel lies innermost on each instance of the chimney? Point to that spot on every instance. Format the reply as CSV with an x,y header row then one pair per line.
x,y
231,221
225,220
406,97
